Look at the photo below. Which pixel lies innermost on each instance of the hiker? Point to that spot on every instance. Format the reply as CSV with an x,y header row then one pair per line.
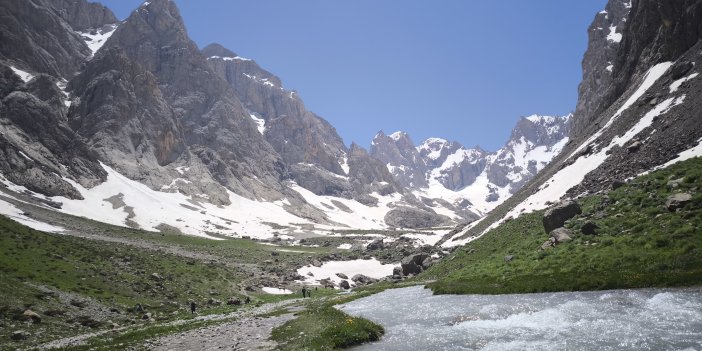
x,y
193,306
247,300
304,292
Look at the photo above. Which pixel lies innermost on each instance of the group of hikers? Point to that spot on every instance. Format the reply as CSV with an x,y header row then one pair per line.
x,y
307,292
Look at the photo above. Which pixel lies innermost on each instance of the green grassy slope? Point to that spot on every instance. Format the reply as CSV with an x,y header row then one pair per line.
x,y
639,243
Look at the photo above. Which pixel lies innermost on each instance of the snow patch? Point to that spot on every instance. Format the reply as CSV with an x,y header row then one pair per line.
x,y
25,76
371,268
14,213
260,122
676,84
276,291
613,36
97,40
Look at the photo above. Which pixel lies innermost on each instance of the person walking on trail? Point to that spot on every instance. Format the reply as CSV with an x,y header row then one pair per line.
x,y
304,292
193,306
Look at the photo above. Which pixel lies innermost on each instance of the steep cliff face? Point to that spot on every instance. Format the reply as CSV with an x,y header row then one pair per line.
x,y
35,38
646,116
214,123
402,157
82,15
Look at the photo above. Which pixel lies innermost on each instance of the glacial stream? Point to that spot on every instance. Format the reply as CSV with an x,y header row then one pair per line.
x,y
646,319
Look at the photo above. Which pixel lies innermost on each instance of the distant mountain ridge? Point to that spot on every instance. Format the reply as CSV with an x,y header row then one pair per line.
x,y
438,167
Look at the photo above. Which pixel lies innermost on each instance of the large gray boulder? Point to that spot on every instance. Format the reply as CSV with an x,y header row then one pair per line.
x,y
677,201
413,264
556,216
561,235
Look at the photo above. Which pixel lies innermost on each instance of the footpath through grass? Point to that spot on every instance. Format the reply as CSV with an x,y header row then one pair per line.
x,y
639,243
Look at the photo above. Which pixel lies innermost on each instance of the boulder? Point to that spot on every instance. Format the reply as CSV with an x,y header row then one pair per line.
x,y
342,275
345,285
363,279
397,271
556,216
561,235
31,315
413,264
316,263
677,201
551,242
376,244
509,258
156,277
19,335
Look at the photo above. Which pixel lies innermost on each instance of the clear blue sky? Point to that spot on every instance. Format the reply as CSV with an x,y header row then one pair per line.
x,y
463,70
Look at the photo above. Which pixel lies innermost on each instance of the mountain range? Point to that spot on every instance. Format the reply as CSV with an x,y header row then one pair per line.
x,y
121,121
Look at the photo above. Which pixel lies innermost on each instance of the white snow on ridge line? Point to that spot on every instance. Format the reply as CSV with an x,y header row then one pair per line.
x,y
25,76
397,135
14,213
371,268
235,58
151,208
97,40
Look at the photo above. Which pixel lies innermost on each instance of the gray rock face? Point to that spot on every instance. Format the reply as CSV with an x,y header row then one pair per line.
x,y
601,66
409,217
556,216
215,125
402,158
298,135
35,38
369,174
82,15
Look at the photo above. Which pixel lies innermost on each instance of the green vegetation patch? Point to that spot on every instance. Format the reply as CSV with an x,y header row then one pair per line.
x,y
323,327
638,243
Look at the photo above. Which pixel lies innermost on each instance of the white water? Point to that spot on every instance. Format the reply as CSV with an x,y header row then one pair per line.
x,y
648,319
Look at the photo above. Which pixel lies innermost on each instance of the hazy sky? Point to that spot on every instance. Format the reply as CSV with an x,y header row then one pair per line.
x,y
463,70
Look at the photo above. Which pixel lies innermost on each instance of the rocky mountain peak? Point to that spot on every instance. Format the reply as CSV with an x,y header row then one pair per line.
x,y
83,15
218,50
401,156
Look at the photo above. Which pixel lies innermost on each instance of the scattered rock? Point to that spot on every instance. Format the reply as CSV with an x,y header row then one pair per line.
x,y
672,184
677,201
363,279
509,258
376,244
78,303
616,184
31,315
345,285
156,277
561,235
275,253
88,321
635,146
551,242
342,275
556,216
413,264
19,335
316,263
